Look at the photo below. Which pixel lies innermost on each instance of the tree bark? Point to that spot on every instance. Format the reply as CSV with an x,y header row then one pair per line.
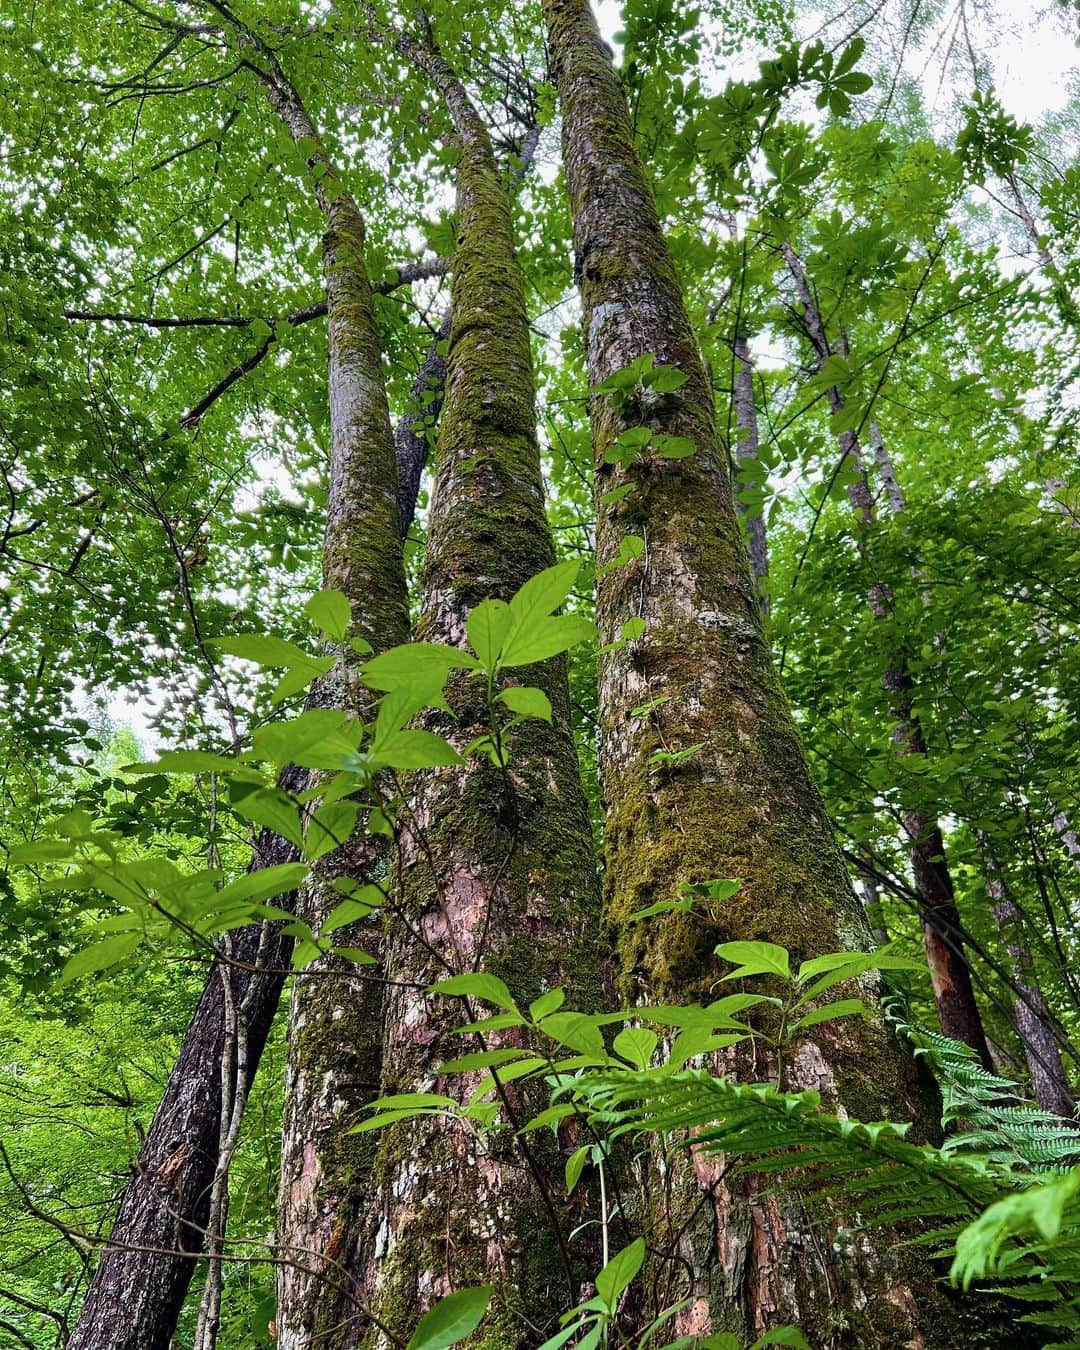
x,y
496,871
736,800
1031,1015
747,448
335,1020
142,1277
950,973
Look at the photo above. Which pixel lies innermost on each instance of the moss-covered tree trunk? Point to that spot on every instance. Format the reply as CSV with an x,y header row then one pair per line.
x,y
496,871
738,802
335,1019
950,973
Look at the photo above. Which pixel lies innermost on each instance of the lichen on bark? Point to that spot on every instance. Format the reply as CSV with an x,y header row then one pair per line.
x,y
702,769
496,871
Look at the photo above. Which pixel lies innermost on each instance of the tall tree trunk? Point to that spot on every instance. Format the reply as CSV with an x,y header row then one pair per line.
x,y
142,1279
496,870
950,973
739,801
1031,1015
747,448
335,1021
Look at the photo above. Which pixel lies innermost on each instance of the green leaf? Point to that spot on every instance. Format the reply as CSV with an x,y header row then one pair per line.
x,y
186,761
755,958
100,956
666,379
275,811
478,985
546,1003
263,883
329,610
414,750
844,1007
486,628
636,1045
263,649
318,739
546,638
451,1319
575,1165
417,664
675,447
329,828
576,1030
526,701
619,1271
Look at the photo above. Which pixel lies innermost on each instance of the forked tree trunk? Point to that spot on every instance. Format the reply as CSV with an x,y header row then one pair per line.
x,y
713,781
496,872
950,973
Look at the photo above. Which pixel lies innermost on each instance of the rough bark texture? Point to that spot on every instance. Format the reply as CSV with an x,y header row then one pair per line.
x,y
740,803
1031,1015
335,1018
142,1278
746,457
950,974
495,872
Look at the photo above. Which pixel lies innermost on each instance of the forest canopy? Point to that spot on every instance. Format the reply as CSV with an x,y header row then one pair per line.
x,y
540,776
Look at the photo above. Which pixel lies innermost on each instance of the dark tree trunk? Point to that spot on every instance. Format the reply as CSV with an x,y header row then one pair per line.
x,y
142,1277
950,973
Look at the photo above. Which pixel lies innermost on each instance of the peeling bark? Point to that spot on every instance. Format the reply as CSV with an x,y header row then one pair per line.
x,y
950,973
496,871
740,802
746,457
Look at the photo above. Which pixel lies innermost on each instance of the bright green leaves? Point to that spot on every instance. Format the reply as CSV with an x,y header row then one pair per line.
x,y
631,381
329,610
619,1271
1041,1210
755,958
478,985
451,1319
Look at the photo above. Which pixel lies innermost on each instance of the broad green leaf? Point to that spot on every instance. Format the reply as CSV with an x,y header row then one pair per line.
x,y
844,1007
186,761
577,1030
451,1319
275,811
263,882
486,627
547,1003
636,1045
417,664
545,638
478,985
755,958
318,739
575,1165
526,701
330,828
619,1271
414,750
264,649
100,956
329,610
